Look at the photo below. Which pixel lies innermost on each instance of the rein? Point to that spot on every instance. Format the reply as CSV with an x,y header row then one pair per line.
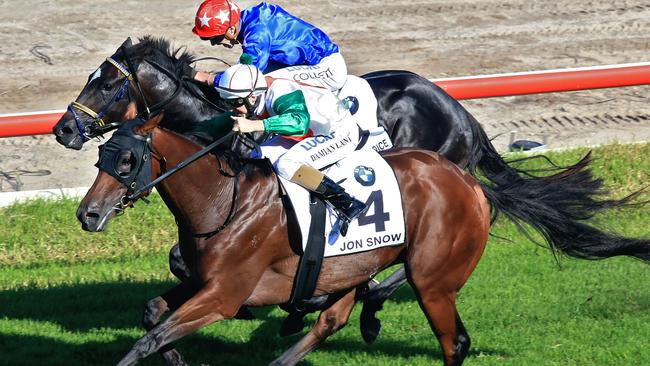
x,y
233,205
135,195
156,108
192,88
136,81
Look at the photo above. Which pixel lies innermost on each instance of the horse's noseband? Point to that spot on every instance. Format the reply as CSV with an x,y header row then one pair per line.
x,y
125,139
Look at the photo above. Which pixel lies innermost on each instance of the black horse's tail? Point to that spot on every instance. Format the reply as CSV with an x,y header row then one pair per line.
x,y
555,205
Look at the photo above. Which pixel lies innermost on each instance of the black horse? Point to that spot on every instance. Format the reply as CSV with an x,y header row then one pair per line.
x,y
414,111
150,76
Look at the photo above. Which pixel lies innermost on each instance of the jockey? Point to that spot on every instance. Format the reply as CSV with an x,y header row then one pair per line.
x,y
281,44
289,109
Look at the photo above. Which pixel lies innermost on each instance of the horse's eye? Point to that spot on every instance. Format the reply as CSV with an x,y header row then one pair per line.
x,y
107,87
125,163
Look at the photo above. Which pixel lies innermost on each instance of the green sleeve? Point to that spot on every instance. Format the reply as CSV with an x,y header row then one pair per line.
x,y
292,116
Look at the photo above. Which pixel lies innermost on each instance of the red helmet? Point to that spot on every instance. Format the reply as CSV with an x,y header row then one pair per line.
x,y
214,17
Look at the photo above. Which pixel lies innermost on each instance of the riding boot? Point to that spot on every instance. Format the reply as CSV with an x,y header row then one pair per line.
x,y
347,207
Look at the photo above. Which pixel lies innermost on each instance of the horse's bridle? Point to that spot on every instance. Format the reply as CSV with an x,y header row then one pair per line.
x,y
98,126
139,183
141,150
98,123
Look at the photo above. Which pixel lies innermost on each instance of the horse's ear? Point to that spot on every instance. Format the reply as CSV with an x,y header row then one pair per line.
x,y
127,43
151,123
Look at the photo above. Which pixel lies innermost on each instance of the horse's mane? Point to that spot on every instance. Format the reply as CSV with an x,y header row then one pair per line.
x,y
178,61
161,51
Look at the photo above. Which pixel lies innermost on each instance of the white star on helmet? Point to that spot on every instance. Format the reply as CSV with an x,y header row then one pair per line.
x,y
223,16
234,7
205,20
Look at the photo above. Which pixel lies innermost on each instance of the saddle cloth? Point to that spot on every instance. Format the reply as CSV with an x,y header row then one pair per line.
x,y
366,176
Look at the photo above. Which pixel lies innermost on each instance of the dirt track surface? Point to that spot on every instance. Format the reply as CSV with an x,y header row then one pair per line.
x,y
47,50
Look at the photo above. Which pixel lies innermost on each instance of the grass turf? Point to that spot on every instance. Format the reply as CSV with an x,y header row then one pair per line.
x,y
73,298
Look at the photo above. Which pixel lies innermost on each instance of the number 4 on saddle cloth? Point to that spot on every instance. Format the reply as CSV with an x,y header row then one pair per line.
x,y
366,176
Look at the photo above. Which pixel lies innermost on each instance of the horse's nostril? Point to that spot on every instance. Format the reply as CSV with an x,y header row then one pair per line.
x,y
92,217
65,131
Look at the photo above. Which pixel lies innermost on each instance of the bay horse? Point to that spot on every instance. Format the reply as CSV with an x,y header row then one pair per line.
x,y
414,111
447,218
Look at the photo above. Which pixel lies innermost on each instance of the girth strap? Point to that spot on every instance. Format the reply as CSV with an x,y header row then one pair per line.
x,y
304,284
293,225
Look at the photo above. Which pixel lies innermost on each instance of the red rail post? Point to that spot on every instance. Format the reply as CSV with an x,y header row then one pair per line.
x,y
24,124
535,82
460,88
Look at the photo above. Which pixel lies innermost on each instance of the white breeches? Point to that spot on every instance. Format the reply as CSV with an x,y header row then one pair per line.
x,y
331,73
317,152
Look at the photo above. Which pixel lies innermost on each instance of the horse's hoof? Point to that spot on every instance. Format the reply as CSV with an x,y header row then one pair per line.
x,y
291,325
370,329
154,309
244,314
173,358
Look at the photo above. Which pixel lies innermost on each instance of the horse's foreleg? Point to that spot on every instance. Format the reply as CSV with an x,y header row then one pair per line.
x,y
177,265
171,300
373,301
293,323
181,270
329,321
154,310
205,307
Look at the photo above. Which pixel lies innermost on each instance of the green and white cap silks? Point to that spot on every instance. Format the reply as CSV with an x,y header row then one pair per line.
x,y
241,81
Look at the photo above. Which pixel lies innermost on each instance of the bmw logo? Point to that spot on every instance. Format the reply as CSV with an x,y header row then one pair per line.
x,y
364,175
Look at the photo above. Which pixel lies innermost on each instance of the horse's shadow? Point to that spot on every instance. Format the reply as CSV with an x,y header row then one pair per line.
x,y
90,308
